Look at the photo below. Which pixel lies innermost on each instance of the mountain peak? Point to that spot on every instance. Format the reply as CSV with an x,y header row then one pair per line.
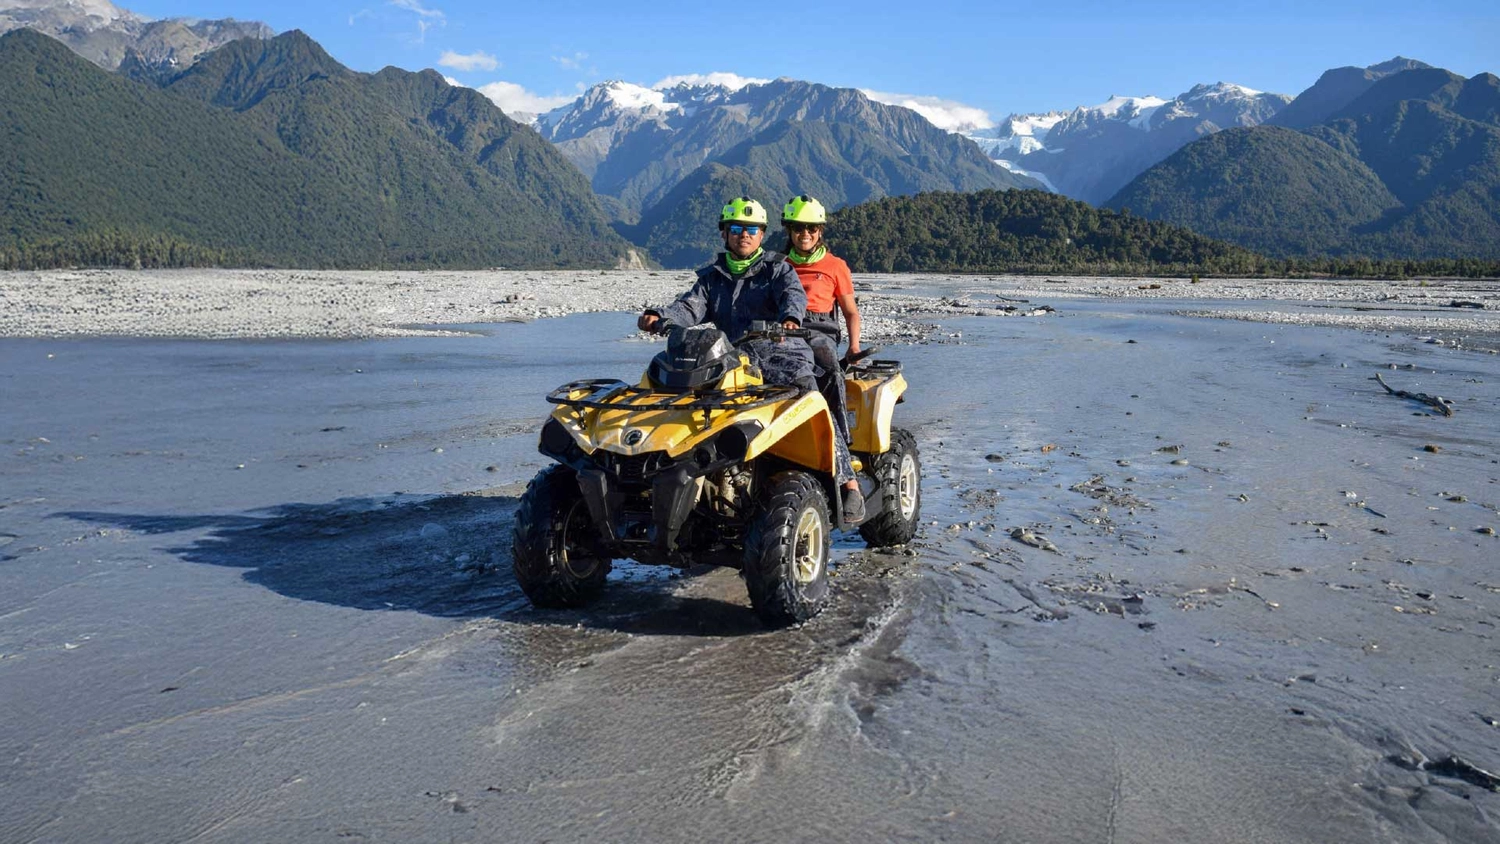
x,y
1398,64
86,15
619,94
1220,89
1118,106
241,73
291,50
105,34
28,39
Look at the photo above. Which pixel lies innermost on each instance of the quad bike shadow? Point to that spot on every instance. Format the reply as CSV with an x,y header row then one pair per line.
x,y
703,462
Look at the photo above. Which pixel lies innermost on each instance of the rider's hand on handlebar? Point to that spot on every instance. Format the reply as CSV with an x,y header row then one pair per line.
x,y
648,322
790,324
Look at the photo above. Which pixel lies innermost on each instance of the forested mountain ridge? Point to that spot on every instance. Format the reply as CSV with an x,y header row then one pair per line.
x,y
1335,90
1036,232
1019,231
1270,189
1429,138
271,152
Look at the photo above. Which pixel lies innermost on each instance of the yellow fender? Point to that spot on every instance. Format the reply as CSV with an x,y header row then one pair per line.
x,y
872,401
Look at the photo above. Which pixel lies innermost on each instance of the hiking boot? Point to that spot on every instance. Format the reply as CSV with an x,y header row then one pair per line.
x,y
854,506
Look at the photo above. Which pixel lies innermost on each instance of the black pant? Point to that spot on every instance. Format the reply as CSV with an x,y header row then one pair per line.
x,y
825,349
826,323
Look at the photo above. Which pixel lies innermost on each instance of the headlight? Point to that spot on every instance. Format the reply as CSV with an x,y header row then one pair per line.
x,y
734,443
556,441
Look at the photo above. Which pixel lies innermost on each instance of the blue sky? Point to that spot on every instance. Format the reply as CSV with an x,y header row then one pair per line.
x,y
993,56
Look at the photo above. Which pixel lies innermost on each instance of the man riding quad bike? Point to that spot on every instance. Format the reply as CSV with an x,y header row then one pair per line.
x,y
710,460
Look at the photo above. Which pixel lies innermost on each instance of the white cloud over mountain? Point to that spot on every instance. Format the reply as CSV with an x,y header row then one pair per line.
x,y
944,114
511,97
732,81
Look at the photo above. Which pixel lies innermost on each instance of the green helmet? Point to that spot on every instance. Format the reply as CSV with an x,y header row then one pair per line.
x,y
743,210
804,209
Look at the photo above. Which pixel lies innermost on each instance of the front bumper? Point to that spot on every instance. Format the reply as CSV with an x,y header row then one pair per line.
x,y
614,486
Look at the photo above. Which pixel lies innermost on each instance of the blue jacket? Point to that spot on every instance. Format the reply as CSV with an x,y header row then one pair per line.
x,y
768,290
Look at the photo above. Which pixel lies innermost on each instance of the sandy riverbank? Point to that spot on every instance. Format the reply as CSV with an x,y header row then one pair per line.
x,y
260,591
285,303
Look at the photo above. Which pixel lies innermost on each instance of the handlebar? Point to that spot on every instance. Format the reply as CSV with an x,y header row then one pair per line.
x,y
766,330
760,329
851,360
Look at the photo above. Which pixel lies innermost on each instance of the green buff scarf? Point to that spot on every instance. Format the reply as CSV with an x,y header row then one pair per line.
x,y
738,267
799,259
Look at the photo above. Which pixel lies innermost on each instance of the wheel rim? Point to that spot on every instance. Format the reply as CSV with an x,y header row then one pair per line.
x,y
907,486
572,553
809,551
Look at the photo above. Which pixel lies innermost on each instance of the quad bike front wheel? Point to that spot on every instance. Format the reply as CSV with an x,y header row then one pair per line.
x,y
555,556
899,474
787,549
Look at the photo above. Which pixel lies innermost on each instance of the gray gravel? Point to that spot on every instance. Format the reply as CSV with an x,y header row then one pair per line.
x,y
297,303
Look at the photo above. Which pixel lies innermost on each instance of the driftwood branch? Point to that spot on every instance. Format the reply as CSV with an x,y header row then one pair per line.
x,y
1432,401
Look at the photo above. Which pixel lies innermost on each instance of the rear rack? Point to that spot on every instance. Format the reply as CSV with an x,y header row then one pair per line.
x,y
875,369
613,394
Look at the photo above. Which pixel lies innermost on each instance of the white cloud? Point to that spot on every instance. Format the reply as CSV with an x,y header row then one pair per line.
x,y
416,6
944,114
478,60
454,82
511,97
732,81
426,18
573,62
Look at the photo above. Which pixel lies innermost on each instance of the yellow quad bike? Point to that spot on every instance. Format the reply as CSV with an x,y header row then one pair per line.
x,y
703,462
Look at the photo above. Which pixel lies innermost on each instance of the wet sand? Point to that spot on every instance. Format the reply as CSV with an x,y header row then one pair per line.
x,y
258,590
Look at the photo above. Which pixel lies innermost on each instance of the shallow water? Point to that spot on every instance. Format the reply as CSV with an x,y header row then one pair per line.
x,y
293,651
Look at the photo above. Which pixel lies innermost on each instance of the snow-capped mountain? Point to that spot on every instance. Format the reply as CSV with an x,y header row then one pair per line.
x,y
663,157
83,14
1090,152
602,106
110,36
609,102
1018,134
636,143
1212,100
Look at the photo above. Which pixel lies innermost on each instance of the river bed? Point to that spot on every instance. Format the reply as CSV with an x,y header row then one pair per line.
x,y
258,590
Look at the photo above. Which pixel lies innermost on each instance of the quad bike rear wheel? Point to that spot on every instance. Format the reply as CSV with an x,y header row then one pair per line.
x,y
787,550
555,556
899,474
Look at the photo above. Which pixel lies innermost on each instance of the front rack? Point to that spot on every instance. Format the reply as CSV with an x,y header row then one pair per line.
x,y
613,394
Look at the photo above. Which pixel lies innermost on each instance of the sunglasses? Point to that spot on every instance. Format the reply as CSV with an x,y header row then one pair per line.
x,y
737,229
798,228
